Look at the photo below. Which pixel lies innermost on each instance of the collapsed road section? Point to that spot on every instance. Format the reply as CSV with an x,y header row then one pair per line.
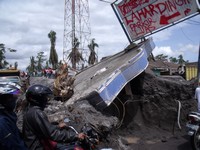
x,y
101,83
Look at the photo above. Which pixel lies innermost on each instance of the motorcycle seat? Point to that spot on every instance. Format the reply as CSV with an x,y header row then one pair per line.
x,y
195,113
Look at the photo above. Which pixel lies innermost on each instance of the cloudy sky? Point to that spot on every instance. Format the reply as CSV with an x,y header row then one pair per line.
x,y
25,24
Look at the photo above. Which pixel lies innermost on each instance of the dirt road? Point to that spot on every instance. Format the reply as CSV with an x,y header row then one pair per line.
x,y
150,128
174,143
179,143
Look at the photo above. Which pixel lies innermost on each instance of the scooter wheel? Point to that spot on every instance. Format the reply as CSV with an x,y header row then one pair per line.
x,y
195,140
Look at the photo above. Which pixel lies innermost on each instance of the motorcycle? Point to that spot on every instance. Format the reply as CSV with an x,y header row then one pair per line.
x,y
193,129
89,143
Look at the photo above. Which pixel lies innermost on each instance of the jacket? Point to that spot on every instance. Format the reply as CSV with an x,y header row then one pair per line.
x,y
9,133
36,127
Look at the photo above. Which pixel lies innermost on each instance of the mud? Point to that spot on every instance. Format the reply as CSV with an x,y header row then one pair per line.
x,y
155,114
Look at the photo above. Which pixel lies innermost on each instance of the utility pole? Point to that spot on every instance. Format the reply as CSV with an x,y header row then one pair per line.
x,y
198,68
76,26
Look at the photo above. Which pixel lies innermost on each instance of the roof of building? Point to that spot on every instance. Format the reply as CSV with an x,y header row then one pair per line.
x,y
162,64
191,64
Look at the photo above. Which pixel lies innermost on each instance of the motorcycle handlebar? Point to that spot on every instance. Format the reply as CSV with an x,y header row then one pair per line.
x,y
73,129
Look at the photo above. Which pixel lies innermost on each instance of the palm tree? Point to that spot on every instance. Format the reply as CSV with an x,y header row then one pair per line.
x,y
93,56
75,56
161,57
3,62
53,58
180,60
47,64
16,65
173,60
40,60
32,66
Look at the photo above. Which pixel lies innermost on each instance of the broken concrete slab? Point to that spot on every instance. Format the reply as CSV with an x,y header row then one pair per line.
x,y
102,82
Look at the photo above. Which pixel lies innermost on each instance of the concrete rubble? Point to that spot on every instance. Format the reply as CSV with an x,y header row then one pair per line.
x,y
124,100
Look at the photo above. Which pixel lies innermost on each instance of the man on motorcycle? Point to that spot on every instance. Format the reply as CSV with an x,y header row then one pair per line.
x,y
9,133
38,132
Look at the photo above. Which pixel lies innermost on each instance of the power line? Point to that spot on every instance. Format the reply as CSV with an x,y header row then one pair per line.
x,y
105,1
186,36
194,21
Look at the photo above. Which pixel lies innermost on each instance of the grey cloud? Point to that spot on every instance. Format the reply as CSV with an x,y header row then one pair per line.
x,y
25,24
31,40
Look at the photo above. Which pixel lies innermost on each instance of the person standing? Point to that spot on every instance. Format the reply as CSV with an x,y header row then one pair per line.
x,y
9,133
197,97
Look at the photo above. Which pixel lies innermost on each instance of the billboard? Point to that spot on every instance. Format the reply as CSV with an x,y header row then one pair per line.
x,y
142,17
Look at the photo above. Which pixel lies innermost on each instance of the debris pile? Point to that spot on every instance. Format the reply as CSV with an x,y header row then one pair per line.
x,y
63,85
153,115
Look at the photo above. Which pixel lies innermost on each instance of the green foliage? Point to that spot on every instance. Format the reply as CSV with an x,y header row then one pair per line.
x,y
173,60
37,63
161,57
93,56
47,64
75,56
32,66
53,58
40,60
16,65
3,62
180,60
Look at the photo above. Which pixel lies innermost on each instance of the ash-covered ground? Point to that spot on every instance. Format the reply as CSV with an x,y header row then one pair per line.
x,y
156,113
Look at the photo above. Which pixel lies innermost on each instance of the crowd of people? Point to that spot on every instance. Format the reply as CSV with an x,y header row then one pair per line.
x,y
47,72
37,133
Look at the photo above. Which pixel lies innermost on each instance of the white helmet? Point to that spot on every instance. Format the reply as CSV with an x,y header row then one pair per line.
x,y
9,88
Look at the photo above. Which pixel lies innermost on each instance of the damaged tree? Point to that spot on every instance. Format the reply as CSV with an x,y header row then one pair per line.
x,y
63,84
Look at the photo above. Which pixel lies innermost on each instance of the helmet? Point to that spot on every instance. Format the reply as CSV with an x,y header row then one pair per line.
x,y
9,88
8,94
38,95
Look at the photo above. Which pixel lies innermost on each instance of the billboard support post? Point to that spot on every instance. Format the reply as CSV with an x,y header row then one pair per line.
x,y
121,23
